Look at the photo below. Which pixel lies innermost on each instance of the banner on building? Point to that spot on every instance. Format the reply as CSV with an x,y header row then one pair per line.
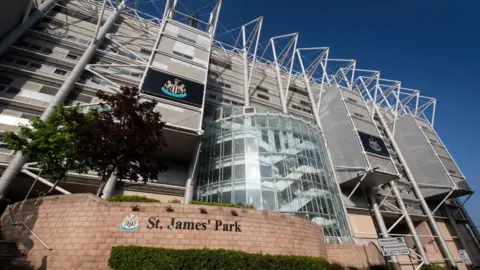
x,y
173,87
373,144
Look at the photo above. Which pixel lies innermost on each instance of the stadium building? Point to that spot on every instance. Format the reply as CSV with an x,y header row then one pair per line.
x,y
258,121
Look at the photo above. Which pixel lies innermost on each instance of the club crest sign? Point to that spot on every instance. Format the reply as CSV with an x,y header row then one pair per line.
x,y
173,87
373,144
130,223
176,89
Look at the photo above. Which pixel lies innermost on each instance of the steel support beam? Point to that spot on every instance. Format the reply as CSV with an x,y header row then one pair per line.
x,y
431,220
109,188
409,222
23,27
462,240
379,219
19,160
192,171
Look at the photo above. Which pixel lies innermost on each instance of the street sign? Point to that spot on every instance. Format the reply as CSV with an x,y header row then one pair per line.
x,y
464,256
393,246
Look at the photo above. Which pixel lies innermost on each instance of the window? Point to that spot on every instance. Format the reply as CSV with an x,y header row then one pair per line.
x,y
60,72
71,56
145,51
83,41
48,90
36,47
433,141
297,107
263,97
2,87
23,44
9,59
303,102
183,55
226,85
306,110
262,89
35,65
212,96
358,115
5,80
185,38
47,50
220,63
21,62
226,100
299,91
452,171
352,100
13,90
28,116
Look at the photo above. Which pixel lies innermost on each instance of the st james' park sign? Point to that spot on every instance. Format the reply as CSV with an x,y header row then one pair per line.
x,y
131,223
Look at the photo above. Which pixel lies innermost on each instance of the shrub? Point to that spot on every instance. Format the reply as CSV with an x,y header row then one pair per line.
x,y
432,267
174,201
130,198
248,206
379,267
146,258
336,266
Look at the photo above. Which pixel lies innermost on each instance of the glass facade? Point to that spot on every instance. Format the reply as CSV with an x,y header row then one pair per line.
x,y
275,162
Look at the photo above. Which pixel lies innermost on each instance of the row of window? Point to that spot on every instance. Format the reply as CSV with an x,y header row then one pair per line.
x,y
225,100
36,47
126,72
301,109
61,34
32,65
113,48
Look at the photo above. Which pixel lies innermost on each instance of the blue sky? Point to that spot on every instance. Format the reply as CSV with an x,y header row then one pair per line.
x,y
427,45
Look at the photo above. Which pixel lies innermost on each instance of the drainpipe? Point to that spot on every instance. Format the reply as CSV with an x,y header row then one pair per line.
x,y
19,160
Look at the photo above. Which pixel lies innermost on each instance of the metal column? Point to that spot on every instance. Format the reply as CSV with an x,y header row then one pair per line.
x,y
192,171
409,222
283,102
246,85
379,218
19,160
23,27
109,188
309,90
423,203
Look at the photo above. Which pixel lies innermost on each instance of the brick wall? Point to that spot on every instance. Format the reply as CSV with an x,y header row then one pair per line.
x,y
354,255
82,228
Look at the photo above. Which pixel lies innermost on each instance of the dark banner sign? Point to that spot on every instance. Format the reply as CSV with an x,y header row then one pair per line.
x,y
173,87
373,144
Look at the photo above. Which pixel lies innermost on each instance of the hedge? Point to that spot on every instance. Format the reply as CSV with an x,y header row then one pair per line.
x,y
150,258
247,206
130,198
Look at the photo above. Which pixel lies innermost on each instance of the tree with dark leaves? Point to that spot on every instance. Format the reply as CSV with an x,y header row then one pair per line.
x,y
125,137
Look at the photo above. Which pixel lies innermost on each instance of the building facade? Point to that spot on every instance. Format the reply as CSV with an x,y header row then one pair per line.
x,y
297,132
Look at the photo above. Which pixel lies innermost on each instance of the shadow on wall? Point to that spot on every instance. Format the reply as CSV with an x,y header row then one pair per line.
x,y
18,233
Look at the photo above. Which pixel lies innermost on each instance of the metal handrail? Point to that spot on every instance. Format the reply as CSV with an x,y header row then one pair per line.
x,y
26,227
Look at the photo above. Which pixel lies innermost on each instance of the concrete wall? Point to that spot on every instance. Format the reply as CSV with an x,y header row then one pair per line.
x,y
81,229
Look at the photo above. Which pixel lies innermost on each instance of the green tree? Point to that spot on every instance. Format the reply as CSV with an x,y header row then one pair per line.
x,y
125,138
53,143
